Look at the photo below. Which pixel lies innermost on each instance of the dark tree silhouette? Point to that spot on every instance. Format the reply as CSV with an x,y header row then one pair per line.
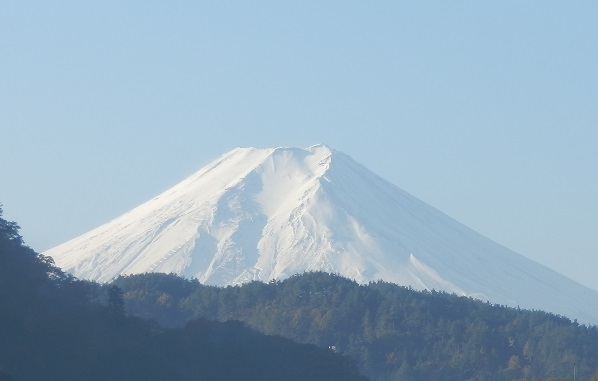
x,y
115,300
56,327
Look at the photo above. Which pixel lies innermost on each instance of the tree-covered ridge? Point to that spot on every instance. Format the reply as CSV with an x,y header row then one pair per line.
x,y
55,327
393,332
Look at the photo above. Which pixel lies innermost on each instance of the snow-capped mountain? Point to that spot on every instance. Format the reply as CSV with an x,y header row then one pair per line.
x,y
262,214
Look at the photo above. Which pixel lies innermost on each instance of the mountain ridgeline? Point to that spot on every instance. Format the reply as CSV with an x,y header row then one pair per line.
x,y
54,327
264,214
392,332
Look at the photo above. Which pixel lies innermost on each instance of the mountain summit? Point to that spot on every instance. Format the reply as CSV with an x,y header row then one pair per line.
x,y
263,214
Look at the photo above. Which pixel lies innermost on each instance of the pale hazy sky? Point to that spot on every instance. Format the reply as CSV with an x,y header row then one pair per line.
x,y
487,111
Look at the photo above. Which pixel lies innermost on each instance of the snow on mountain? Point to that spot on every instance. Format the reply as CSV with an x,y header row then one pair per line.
x,y
262,214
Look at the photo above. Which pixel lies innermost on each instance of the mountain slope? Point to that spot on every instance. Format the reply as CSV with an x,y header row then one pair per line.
x,y
55,327
261,214
382,326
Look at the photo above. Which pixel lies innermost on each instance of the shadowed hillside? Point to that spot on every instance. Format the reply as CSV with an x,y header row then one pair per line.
x,y
55,327
392,332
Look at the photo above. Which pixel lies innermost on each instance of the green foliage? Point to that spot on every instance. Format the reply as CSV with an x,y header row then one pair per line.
x,y
394,333
55,327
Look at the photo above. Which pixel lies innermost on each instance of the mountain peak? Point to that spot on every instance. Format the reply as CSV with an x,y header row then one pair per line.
x,y
318,147
269,213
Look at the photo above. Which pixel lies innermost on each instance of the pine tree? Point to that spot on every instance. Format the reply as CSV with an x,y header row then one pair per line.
x,y
115,300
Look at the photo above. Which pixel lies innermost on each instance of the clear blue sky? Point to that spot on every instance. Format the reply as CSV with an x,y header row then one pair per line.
x,y
486,110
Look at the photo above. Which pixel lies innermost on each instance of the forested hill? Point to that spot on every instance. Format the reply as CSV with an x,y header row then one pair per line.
x,y
55,327
394,333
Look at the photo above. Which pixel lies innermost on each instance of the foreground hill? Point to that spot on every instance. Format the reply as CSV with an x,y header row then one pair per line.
x,y
394,333
55,327
264,214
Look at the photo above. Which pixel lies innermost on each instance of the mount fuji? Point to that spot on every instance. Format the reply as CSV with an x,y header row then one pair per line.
x,y
263,214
